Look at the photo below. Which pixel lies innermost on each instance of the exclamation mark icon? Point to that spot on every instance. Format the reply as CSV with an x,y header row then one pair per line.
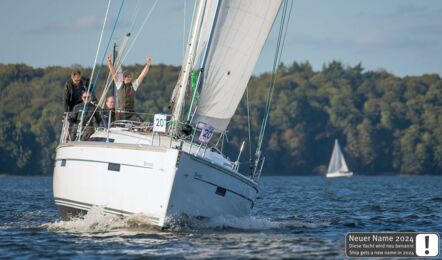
x,y
427,240
427,244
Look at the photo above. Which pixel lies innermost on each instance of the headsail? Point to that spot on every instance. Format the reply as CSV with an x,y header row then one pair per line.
x,y
337,161
238,38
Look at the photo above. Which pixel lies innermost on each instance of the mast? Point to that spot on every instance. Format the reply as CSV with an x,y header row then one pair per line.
x,y
187,66
114,57
204,60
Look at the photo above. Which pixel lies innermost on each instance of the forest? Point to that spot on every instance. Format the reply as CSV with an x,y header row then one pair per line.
x,y
385,124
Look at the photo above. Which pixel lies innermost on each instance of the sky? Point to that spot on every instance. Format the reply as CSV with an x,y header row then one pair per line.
x,y
403,37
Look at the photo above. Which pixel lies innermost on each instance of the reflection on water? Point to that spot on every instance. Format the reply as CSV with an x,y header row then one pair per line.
x,y
294,217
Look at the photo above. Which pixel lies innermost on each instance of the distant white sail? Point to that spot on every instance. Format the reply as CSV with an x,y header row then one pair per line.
x,y
337,161
238,38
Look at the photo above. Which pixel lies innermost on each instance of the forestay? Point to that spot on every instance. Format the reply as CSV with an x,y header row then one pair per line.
x,y
337,161
239,34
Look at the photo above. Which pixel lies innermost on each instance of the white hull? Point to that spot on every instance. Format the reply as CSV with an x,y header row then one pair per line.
x,y
157,181
338,174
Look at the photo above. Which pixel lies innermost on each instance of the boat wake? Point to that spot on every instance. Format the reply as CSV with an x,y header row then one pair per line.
x,y
249,223
96,221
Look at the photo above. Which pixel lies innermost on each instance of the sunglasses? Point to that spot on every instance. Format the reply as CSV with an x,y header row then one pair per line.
x,y
86,97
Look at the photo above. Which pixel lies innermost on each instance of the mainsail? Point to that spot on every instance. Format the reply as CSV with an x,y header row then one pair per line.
x,y
238,36
337,161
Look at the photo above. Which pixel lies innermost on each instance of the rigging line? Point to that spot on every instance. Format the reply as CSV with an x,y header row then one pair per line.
x,y
274,72
117,64
191,114
184,29
275,64
186,59
108,44
260,137
139,31
248,123
99,42
134,18
278,53
95,61
109,79
286,27
205,57
101,66
273,80
284,23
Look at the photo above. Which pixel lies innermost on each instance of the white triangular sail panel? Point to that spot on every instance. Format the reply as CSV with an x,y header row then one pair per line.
x,y
238,38
337,161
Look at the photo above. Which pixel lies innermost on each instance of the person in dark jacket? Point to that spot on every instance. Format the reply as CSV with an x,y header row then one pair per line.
x,y
73,89
127,88
109,111
91,118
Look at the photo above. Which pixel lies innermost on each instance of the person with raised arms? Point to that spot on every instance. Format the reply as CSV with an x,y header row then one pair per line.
x,y
127,87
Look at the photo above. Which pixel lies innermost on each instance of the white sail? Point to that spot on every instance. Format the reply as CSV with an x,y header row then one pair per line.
x,y
239,34
337,161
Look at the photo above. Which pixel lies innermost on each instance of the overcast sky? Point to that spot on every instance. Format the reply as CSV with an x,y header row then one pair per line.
x,y
402,36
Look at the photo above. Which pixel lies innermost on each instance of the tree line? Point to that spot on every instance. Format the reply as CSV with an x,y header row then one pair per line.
x,y
384,123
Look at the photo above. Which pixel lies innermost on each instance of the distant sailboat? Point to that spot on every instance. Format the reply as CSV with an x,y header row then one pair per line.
x,y
338,166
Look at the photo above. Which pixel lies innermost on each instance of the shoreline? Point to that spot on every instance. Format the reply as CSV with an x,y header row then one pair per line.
x,y
264,175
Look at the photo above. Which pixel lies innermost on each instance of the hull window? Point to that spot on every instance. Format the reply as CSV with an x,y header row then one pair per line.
x,y
220,191
113,167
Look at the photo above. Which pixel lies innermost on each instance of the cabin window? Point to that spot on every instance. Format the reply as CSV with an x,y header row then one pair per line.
x,y
101,139
220,191
113,167
63,163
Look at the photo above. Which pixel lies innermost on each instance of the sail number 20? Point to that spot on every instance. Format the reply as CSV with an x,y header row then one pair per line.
x,y
206,133
159,123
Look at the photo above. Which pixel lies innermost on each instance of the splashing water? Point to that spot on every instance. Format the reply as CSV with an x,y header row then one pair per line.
x,y
97,221
94,221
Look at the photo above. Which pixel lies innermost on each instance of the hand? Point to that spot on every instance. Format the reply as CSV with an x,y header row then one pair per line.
x,y
109,59
148,60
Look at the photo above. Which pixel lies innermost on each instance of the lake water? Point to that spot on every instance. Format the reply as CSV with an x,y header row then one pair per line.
x,y
305,217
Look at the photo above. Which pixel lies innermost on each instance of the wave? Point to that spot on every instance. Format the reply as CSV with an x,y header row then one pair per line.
x,y
251,223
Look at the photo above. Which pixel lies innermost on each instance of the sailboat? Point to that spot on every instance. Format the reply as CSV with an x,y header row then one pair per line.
x,y
174,166
337,166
